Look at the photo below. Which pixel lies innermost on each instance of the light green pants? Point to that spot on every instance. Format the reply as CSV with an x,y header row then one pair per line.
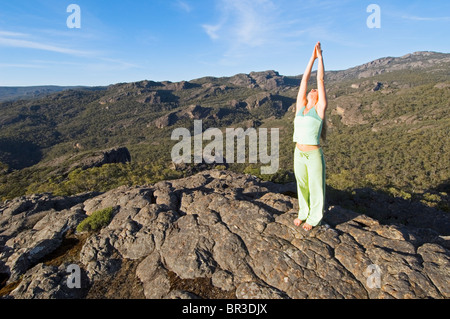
x,y
309,169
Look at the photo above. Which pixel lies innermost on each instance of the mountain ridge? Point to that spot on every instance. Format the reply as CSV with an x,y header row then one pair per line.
x,y
11,93
8,93
416,60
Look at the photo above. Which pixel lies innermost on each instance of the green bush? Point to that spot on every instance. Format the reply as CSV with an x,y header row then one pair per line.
x,y
399,193
97,220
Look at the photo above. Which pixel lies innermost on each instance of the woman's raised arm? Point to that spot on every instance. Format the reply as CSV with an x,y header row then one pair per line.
x,y
322,102
301,97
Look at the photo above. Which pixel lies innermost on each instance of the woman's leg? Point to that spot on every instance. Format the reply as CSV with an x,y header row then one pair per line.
x,y
301,176
316,182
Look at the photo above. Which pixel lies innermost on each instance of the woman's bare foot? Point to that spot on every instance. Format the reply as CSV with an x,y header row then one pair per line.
x,y
307,227
298,222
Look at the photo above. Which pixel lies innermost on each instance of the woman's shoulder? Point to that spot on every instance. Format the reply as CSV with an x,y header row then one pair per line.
x,y
298,110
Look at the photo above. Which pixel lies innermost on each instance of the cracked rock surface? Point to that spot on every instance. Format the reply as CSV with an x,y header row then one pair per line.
x,y
217,234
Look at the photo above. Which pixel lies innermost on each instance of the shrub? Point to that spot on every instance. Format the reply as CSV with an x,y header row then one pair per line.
x,y
97,220
399,193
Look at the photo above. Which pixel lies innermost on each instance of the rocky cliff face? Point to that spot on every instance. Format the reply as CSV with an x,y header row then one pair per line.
x,y
413,61
216,234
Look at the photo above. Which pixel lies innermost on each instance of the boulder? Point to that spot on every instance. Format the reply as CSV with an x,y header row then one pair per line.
x,y
114,155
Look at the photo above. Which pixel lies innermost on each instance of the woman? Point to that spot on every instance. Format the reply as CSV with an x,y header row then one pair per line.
x,y
309,162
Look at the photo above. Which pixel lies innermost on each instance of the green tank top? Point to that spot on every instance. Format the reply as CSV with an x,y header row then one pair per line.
x,y
307,128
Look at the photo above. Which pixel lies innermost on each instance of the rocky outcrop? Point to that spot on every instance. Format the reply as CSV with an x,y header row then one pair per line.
x,y
272,102
350,110
114,155
195,112
166,120
243,80
146,92
192,112
219,234
267,80
412,61
258,100
32,227
179,86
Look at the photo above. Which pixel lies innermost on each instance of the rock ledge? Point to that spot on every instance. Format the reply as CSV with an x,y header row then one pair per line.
x,y
233,233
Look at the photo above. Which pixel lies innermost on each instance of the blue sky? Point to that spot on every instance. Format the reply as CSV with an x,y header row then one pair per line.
x,y
174,40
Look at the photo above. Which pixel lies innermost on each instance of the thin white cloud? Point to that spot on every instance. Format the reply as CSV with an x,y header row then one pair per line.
x,y
105,63
246,25
91,60
253,30
183,5
18,43
12,34
416,18
211,30
19,65
66,33
249,22
21,40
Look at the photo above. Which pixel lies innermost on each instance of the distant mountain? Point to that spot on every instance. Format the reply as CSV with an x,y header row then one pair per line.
x,y
413,61
266,80
10,93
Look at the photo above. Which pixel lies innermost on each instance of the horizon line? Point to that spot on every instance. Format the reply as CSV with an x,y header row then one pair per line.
x,y
206,76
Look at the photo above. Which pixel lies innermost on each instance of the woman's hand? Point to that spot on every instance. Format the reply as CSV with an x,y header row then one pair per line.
x,y
317,53
314,55
318,50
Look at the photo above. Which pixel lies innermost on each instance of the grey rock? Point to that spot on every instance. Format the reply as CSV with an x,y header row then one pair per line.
x,y
223,280
99,256
180,294
154,277
24,212
47,282
436,264
254,290
28,247
195,252
236,232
